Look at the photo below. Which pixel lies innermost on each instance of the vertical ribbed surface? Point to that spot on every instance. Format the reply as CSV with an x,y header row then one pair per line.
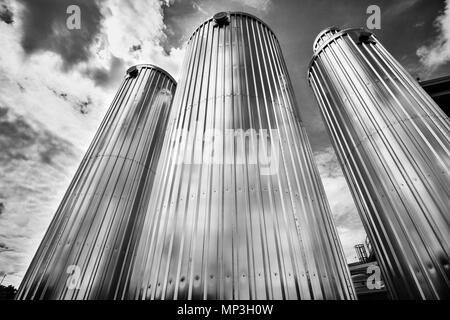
x,y
86,249
239,212
393,143
323,37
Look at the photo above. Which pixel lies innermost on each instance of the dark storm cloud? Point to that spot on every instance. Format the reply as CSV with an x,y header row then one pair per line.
x,y
4,247
44,28
6,15
77,104
20,141
177,18
182,17
15,135
136,47
108,77
51,148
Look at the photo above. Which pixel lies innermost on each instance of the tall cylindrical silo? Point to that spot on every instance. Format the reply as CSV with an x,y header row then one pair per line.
x,y
89,243
393,143
240,211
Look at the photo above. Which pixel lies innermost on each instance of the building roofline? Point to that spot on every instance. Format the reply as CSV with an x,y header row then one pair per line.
x,y
434,81
321,33
323,45
232,13
152,66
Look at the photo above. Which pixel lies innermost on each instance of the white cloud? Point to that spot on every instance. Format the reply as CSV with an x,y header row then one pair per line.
x,y
138,23
29,84
32,191
262,5
344,212
41,76
438,52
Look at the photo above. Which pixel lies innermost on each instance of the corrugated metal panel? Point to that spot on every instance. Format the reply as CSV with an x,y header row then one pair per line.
x,y
393,143
239,212
87,248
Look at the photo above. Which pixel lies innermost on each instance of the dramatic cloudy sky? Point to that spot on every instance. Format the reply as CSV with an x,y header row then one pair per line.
x,y
56,84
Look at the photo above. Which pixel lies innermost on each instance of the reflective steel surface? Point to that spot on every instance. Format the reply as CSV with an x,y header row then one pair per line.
x,y
87,248
393,143
239,211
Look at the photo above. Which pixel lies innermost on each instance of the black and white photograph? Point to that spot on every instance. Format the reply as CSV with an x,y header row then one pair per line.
x,y
242,152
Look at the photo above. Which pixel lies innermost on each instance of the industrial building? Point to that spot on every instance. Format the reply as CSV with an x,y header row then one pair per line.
x,y
240,211
208,189
439,91
86,250
366,274
393,143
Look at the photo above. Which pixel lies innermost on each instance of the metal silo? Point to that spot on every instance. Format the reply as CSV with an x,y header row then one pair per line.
x,y
393,143
239,212
87,248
